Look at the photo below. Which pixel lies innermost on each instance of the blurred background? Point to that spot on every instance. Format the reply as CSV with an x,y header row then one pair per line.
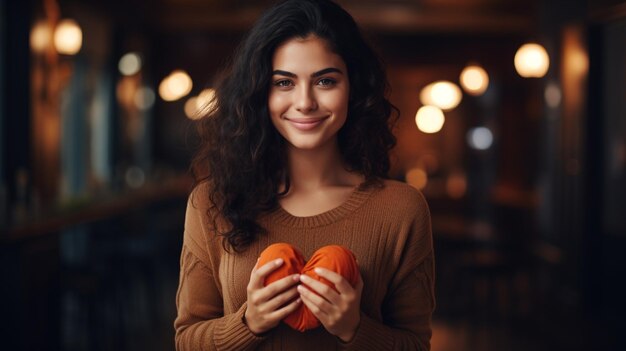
x,y
513,124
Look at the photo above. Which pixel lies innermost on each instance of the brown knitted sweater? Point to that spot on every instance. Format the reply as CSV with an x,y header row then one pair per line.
x,y
387,228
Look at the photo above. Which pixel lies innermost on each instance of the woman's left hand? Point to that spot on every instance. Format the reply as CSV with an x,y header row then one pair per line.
x,y
339,312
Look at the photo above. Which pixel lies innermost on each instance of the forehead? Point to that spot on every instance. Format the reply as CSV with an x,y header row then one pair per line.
x,y
311,52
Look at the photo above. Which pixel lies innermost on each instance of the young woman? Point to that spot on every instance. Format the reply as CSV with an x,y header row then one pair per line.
x,y
295,151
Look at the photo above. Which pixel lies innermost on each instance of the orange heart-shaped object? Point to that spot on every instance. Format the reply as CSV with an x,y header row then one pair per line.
x,y
332,257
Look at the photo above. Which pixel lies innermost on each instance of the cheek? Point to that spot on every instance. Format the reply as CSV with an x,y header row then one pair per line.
x,y
272,104
338,103
275,106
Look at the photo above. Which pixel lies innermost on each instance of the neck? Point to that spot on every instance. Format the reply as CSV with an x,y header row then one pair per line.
x,y
312,169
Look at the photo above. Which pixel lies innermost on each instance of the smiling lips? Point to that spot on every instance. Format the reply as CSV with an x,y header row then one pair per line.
x,y
305,124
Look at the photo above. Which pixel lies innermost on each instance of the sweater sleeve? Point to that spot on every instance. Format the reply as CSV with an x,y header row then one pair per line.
x,y
410,300
201,323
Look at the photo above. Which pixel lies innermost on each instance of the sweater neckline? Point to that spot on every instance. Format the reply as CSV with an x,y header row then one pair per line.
x,y
359,195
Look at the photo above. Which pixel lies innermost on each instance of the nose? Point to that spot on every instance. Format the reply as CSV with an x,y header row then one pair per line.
x,y
305,100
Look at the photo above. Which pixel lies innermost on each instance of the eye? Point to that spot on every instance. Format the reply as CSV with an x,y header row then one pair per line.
x,y
326,82
283,83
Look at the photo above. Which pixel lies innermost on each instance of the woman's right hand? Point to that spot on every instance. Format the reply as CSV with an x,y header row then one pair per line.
x,y
266,304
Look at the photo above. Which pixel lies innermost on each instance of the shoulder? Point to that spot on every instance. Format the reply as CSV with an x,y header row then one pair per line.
x,y
406,212
202,201
199,198
401,197
401,189
200,234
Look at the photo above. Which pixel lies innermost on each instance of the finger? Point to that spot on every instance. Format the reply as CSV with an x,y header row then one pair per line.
x,y
319,302
257,277
321,289
313,306
341,284
281,299
268,292
283,312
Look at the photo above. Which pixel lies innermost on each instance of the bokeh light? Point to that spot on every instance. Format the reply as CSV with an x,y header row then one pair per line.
x,y
552,95
205,101
175,86
40,37
144,98
191,108
129,64
474,80
417,178
68,37
531,61
126,89
443,94
429,119
480,138
456,185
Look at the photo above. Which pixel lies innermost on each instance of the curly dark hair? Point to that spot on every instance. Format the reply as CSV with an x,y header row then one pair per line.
x,y
243,157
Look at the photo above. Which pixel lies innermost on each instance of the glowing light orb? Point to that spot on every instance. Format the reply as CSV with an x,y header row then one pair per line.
x,y
443,94
532,61
129,64
68,37
474,80
429,119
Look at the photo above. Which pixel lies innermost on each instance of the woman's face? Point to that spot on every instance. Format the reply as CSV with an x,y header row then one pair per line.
x,y
308,96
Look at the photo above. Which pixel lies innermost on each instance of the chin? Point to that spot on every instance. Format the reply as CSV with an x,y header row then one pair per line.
x,y
301,145
310,142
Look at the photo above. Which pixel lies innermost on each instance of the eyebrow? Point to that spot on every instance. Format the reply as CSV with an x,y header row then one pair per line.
x,y
313,75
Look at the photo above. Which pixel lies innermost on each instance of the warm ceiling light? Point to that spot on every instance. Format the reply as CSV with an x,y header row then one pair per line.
x,y
443,94
175,86
531,61
129,64
40,36
474,80
429,119
180,83
68,37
